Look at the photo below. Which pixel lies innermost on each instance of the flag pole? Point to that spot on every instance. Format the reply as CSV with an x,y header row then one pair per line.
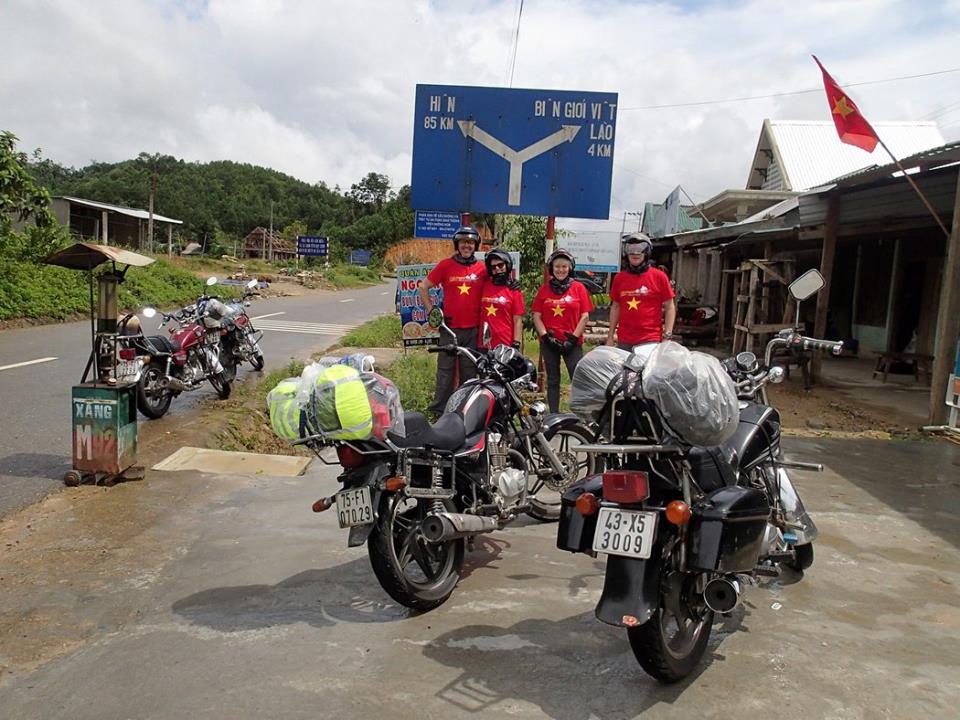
x,y
916,189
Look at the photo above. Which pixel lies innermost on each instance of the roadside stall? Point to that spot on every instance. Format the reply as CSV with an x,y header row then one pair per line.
x,y
104,409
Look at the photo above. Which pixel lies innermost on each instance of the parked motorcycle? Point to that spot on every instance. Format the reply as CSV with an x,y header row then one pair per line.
x,y
417,499
241,343
185,360
685,528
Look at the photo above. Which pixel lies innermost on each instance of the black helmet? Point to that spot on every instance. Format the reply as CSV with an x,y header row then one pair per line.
x,y
630,243
498,254
465,233
559,254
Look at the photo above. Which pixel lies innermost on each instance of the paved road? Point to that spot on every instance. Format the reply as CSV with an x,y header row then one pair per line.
x,y
206,596
35,398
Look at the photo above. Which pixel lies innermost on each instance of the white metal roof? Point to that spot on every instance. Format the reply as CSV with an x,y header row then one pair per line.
x,y
811,154
132,212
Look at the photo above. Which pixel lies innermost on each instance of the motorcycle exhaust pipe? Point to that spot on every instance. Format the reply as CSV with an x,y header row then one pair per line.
x,y
722,594
172,383
444,526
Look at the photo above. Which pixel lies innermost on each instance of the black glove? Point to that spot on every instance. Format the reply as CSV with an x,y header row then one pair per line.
x,y
513,284
515,344
551,342
570,343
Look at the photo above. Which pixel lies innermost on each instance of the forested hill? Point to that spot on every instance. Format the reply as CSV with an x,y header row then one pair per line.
x,y
221,200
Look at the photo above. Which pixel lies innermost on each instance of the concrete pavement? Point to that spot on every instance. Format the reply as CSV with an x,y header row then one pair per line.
x,y
206,596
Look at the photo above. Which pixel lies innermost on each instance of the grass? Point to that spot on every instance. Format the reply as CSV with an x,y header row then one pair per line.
x,y
350,276
415,377
381,332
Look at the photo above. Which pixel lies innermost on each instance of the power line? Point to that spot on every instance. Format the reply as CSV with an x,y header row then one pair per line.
x,y
785,94
516,43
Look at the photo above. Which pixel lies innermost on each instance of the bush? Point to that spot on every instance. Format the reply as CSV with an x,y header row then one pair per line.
x,y
415,376
349,276
382,332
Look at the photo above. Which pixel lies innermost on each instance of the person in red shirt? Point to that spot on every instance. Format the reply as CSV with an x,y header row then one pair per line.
x,y
642,310
461,277
560,312
501,307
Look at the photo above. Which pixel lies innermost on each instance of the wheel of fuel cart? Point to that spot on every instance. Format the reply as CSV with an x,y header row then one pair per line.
x,y
72,478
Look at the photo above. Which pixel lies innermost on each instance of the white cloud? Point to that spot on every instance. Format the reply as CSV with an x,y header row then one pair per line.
x,y
324,91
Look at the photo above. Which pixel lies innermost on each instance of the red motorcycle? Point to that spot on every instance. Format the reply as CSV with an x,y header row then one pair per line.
x,y
185,360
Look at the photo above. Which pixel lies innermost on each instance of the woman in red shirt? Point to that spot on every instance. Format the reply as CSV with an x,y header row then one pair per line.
x,y
501,306
560,312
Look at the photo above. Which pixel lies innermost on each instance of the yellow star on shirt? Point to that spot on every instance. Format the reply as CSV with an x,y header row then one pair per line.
x,y
557,310
464,289
633,304
491,310
841,108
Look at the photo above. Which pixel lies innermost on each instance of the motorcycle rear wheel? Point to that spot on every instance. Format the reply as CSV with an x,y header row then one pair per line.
x,y
229,363
221,384
670,645
416,573
545,501
152,401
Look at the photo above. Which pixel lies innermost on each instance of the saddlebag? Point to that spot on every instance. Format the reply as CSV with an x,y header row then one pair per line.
x,y
727,529
575,531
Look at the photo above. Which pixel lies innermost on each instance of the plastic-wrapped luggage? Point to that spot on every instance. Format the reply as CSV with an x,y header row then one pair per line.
x,y
695,396
284,409
592,378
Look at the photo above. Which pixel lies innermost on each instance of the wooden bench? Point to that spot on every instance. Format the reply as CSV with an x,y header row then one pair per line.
x,y
919,362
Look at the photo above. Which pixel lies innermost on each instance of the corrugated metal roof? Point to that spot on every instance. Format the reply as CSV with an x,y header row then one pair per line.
x,y
812,154
653,219
132,212
947,154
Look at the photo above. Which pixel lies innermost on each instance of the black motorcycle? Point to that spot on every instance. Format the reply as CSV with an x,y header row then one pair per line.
x,y
686,527
417,499
241,340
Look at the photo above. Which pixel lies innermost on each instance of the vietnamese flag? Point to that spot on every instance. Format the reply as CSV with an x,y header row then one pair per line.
x,y
852,127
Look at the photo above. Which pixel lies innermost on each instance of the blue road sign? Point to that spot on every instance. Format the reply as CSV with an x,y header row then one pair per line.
x,y
359,257
311,246
520,152
436,224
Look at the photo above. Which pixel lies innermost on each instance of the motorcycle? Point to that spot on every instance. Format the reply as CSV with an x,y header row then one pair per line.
x,y
185,360
420,498
241,343
686,528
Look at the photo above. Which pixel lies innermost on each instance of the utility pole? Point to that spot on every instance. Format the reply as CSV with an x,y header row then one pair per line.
x,y
153,191
271,231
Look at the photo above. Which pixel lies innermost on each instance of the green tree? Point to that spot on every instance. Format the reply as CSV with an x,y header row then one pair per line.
x,y
24,201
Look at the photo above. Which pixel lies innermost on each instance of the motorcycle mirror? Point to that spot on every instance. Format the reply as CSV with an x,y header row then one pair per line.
x,y
252,284
776,374
246,304
149,312
806,285
212,280
435,318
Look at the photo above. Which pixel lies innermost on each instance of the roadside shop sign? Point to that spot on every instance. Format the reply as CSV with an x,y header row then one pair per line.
x,y
519,152
414,327
594,251
359,257
312,245
436,224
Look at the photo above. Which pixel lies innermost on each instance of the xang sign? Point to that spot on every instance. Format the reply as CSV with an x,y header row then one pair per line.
x,y
521,152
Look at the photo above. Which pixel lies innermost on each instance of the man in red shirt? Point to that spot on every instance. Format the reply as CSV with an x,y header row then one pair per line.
x,y
461,277
642,310
501,307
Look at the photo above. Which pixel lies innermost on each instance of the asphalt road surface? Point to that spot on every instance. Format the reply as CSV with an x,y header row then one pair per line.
x,y
39,365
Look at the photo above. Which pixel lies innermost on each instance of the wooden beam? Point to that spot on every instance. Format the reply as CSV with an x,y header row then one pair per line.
x,y
826,269
948,320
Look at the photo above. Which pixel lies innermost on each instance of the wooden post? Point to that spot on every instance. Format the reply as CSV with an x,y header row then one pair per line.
x,y
170,241
104,228
826,269
948,320
722,302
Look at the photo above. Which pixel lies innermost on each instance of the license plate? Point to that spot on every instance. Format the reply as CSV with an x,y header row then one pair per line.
x,y
625,532
127,369
354,507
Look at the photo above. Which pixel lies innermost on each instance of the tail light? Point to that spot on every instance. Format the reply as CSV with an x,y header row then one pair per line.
x,y
678,512
625,486
349,458
128,354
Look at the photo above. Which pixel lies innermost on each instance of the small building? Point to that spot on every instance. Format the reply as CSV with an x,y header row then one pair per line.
x,y
265,244
111,224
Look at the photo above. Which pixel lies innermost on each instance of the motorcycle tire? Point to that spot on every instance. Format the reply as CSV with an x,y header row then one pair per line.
x,y
417,574
229,363
803,557
544,501
257,361
221,384
151,402
666,656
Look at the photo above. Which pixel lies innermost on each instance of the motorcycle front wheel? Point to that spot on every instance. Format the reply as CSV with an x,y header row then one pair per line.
x,y
152,401
257,361
416,573
544,494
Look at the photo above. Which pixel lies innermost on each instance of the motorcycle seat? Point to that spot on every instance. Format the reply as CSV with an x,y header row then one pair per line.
x,y
447,433
162,345
714,467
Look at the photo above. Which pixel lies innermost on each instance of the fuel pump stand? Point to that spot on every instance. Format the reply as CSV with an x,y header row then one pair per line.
x,y
103,411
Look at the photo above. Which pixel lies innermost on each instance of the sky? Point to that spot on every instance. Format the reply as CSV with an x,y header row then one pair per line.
x,y
324,90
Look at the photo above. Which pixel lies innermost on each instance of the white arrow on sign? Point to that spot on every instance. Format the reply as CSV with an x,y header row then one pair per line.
x,y
517,158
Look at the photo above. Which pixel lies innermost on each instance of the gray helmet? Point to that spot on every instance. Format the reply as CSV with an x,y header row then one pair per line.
x,y
637,242
465,233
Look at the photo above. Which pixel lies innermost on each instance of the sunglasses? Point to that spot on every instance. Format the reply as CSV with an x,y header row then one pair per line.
x,y
498,265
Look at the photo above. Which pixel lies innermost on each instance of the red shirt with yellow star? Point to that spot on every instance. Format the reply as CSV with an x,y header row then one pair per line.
x,y
461,290
498,306
641,299
561,313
